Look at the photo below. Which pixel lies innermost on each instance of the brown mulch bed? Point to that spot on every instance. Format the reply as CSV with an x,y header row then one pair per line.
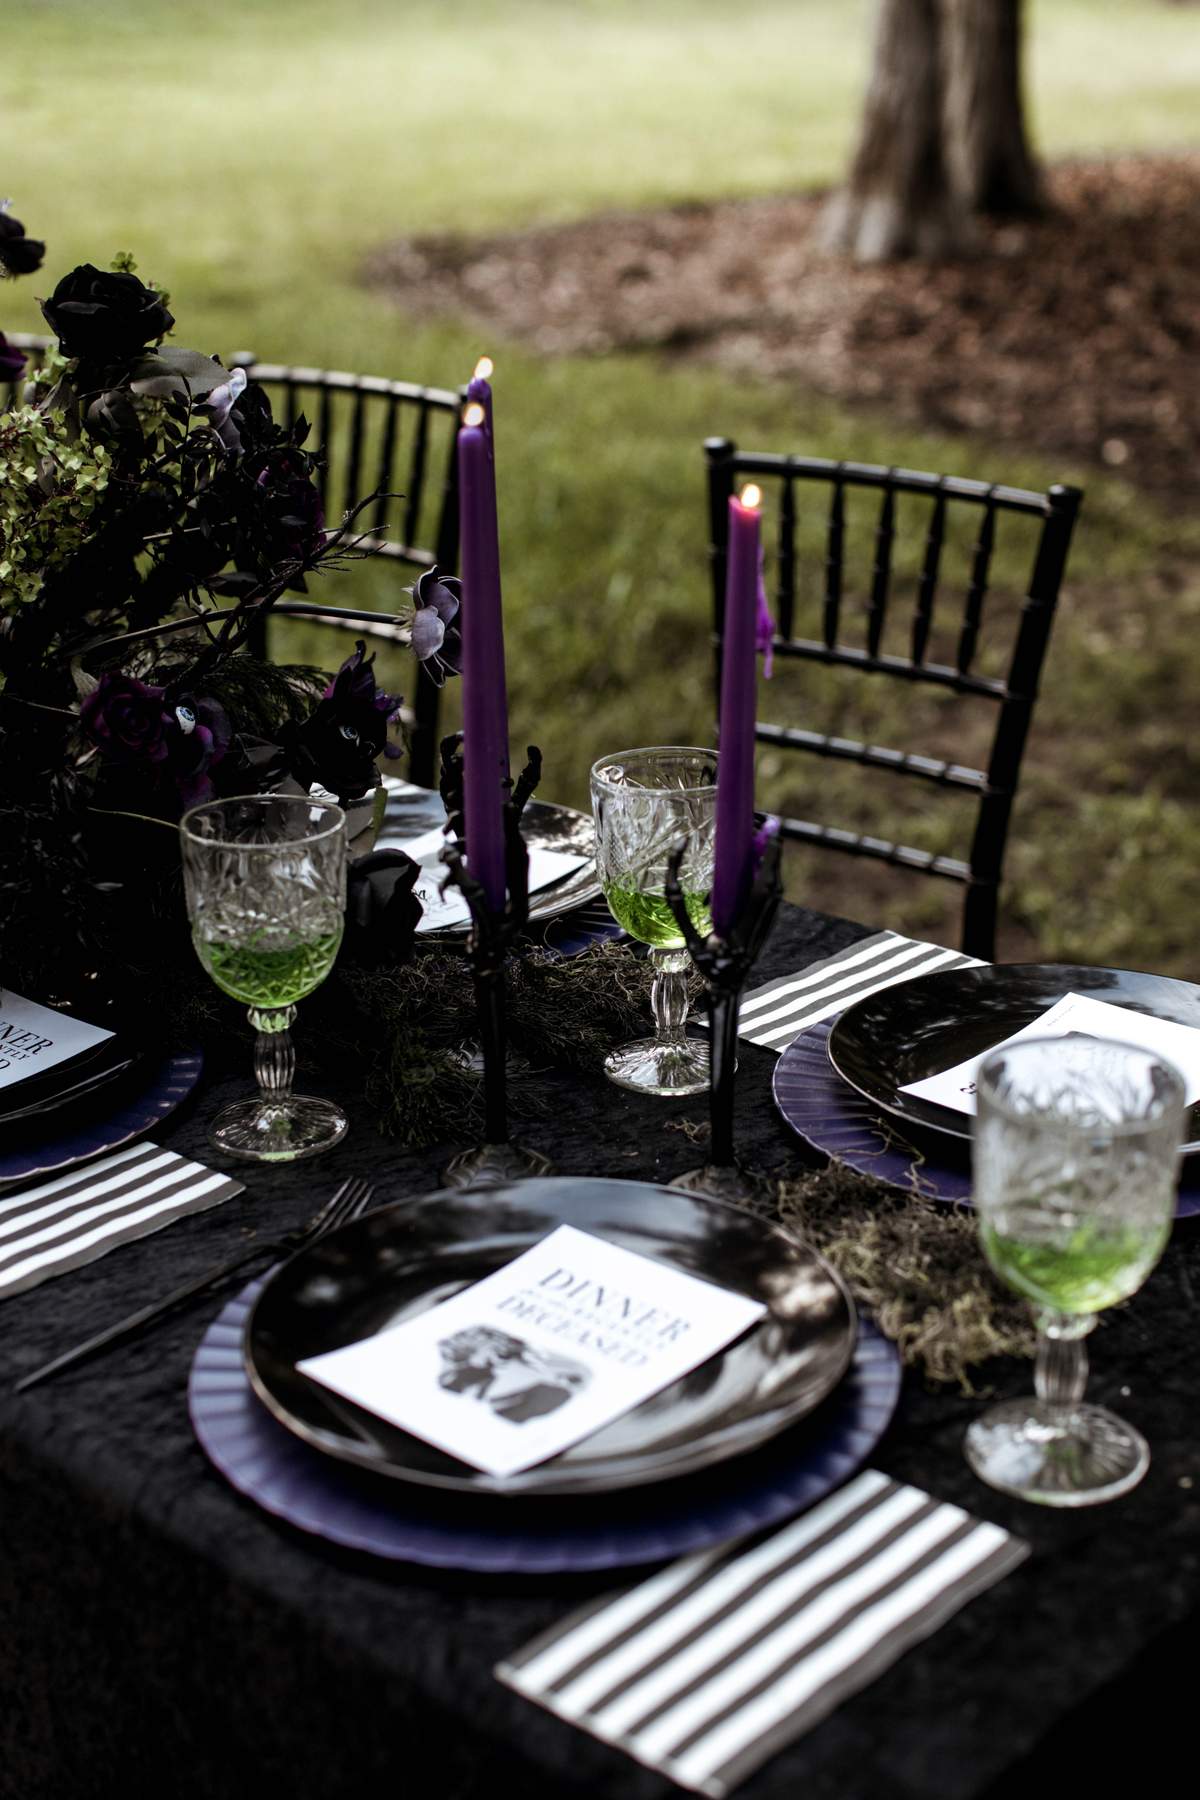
x,y
1078,334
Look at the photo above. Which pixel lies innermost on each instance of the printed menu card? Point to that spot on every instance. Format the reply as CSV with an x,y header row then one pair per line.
x,y
35,1038
1074,1014
559,1342
441,909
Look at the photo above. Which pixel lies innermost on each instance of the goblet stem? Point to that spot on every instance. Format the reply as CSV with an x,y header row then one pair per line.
x,y
670,1063
669,994
274,1051
1061,1370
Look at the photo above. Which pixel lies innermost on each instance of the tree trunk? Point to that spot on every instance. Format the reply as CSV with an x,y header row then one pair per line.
x,y
942,133
898,199
983,124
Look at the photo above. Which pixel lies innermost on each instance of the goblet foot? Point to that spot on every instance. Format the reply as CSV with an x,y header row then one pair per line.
x,y
280,1130
495,1165
720,1181
1057,1455
650,1066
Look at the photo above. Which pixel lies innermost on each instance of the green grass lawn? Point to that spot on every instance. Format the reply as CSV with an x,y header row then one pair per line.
x,y
252,157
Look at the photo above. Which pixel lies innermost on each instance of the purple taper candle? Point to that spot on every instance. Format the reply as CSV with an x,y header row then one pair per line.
x,y
734,849
484,700
479,389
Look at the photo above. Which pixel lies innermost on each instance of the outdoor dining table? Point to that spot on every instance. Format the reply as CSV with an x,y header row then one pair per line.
x,y
160,1635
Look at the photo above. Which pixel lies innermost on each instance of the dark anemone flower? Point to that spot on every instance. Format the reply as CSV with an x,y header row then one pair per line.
x,y
127,720
12,360
338,743
292,519
197,735
219,405
436,635
19,255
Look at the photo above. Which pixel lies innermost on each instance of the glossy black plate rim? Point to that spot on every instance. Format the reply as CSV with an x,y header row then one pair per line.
x,y
880,1085
75,1082
545,1481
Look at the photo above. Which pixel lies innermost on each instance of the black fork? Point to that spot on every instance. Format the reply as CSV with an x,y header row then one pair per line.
x,y
350,1202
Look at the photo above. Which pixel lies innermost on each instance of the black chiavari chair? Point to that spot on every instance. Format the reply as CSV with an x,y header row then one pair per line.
x,y
811,626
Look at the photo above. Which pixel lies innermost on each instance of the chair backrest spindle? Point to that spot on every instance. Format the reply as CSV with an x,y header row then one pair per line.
x,y
935,537
881,574
385,466
416,472
834,553
977,591
352,490
786,560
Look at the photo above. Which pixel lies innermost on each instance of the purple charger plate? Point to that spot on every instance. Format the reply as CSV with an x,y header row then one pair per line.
x,y
835,1119
167,1084
330,1500
577,930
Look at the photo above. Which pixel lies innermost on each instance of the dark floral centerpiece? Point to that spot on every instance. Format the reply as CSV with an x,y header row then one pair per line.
x,y
151,510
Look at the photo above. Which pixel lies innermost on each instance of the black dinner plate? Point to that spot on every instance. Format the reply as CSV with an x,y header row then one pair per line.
x,y
72,1085
545,826
917,1028
397,1263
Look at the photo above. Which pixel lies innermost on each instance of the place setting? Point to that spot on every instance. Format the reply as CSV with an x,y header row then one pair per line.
x,y
879,1047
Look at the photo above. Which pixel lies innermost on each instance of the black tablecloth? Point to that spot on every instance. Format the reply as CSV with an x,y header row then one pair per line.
x,y
159,1635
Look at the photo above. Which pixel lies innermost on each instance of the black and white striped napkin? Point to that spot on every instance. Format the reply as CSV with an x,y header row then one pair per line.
x,y
780,1010
708,1668
72,1220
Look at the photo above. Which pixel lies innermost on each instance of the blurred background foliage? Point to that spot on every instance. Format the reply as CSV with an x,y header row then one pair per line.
x,y
253,158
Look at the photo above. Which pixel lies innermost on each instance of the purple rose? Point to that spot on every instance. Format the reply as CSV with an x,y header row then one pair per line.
x,y
436,637
19,255
12,360
126,720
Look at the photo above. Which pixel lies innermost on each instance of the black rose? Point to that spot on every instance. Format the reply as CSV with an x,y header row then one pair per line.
x,y
19,255
105,317
382,911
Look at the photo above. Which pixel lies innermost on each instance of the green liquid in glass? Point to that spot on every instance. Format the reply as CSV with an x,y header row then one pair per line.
x,y
269,977
1095,1267
649,919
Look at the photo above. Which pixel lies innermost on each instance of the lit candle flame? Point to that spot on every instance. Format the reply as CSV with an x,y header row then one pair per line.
x,y
473,415
751,496
484,368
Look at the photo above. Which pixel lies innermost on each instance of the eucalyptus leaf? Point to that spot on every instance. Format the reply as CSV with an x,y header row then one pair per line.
x,y
85,684
161,373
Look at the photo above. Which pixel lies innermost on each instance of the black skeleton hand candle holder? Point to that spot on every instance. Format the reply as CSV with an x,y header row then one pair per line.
x,y
497,1160
725,963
